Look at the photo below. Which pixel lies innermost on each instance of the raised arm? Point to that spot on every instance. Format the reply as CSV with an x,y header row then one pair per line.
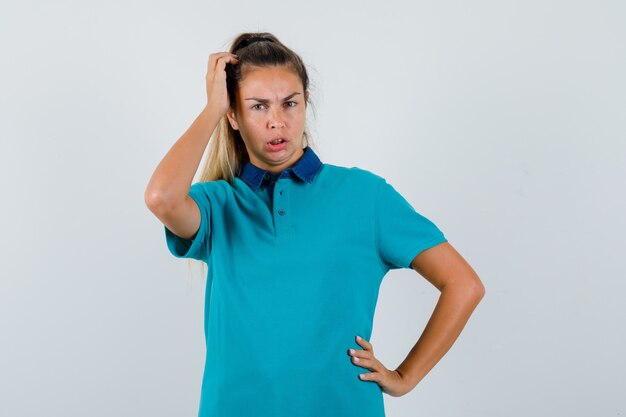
x,y
167,192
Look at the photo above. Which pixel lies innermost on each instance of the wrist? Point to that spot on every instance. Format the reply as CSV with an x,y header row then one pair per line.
x,y
407,377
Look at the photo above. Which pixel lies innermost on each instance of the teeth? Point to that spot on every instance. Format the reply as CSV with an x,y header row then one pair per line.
x,y
277,141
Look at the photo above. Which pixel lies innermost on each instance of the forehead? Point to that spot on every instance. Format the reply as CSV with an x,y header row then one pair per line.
x,y
266,81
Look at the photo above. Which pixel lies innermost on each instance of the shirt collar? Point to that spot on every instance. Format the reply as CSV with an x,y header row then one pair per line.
x,y
306,168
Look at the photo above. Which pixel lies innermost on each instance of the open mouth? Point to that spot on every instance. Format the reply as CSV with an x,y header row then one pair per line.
x,y
277,144
277,141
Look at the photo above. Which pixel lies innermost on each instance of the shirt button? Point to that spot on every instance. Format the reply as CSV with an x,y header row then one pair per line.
x,y
281,212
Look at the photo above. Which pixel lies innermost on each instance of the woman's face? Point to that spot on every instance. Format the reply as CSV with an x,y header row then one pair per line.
x,y
270,104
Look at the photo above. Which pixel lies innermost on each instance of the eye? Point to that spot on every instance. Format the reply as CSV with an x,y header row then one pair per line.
x,y
294,103
255,106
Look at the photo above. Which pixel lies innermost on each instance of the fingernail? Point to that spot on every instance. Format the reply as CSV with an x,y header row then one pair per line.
x,y
358,338
352,351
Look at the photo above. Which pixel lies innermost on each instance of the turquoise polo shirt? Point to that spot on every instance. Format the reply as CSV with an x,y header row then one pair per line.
x,y
294,266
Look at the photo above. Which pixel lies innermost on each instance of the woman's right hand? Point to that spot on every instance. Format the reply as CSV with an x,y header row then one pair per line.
x,y
217,94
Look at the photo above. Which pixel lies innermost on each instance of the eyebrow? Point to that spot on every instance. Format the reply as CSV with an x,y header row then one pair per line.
x,y
265,100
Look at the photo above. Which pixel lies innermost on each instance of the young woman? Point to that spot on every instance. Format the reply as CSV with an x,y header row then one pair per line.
x,y
296,250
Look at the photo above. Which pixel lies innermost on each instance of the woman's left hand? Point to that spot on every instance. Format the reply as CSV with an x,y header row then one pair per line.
x,y
391,382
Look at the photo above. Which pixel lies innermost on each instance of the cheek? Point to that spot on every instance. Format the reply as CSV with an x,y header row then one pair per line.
x,y
296,116
253,119
249,119
252,128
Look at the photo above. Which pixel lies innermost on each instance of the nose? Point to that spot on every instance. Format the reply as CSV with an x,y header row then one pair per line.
x,y
275,122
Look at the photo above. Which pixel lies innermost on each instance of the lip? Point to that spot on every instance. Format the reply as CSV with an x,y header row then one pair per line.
x,y
276,148
278,137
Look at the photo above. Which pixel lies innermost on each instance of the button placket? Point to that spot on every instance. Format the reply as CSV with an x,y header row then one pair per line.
x,y
279,189
281,203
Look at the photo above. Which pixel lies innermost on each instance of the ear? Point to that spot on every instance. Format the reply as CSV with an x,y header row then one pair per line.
x,y
232,119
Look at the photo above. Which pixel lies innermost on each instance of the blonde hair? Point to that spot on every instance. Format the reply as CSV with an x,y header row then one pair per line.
x,y
226,151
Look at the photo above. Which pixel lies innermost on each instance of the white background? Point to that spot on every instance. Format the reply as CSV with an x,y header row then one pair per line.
x,y
501,121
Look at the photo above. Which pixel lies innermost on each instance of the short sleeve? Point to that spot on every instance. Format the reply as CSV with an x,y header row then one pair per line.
x,y
401,232
198,246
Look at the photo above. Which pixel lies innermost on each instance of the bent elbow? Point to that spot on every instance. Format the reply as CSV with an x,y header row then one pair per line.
x,y
478,290
157,201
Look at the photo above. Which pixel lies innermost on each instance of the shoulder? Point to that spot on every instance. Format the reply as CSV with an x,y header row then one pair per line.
x,y
353,174
215,191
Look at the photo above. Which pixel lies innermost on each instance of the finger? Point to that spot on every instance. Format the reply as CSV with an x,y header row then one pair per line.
x,y
220,65
367,363
370,376
215,58
364,343
216,55
364,358
361,353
